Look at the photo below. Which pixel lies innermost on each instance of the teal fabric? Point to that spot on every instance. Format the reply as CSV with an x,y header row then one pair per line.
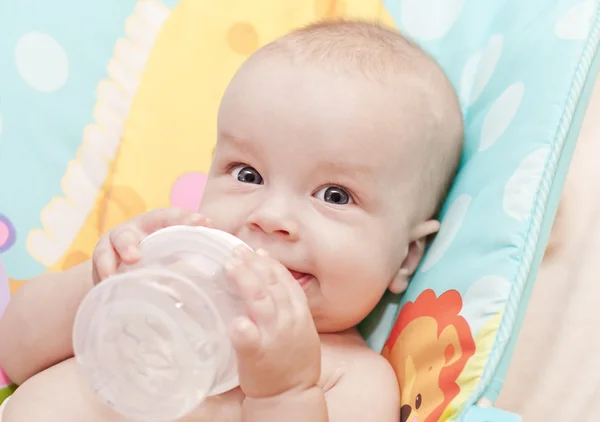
x,y
36,176
522,70
490,414
80,29
493,390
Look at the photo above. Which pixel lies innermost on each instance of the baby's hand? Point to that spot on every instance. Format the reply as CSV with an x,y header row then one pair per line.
x,y
121,244
277,346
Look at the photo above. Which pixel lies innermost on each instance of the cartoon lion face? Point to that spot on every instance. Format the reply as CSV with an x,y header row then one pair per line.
x,y
428,348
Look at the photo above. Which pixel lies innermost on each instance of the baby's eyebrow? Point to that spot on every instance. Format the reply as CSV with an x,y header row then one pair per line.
x,y
233,141
227,137
348,168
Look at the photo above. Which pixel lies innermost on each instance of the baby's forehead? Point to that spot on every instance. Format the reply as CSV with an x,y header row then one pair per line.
x,y
384,161
397,99
315,112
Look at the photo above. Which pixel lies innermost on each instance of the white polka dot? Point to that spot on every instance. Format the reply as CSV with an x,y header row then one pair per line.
x,y
577,22
450,227
521,189
500,115
467,78
484,299
429,19
485,66
41,61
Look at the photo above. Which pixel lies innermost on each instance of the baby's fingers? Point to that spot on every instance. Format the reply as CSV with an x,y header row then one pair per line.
x,y
105,260
288,292
252,282
278,283
126,240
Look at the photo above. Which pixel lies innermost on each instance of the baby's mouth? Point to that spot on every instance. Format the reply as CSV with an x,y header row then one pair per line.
x,y
302,278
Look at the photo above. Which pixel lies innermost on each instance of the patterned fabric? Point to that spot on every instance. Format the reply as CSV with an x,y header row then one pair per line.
x,y
521,69
108,110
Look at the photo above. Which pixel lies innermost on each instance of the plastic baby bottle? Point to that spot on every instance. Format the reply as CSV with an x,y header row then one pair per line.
x,y
153,339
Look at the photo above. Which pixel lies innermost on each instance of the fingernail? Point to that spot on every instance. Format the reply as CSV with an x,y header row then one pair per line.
x,y
132,253
234,263
262,252
104,269
239,251
242,324
196,219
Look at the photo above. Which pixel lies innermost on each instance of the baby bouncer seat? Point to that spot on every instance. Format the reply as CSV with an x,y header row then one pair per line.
x,y
108,109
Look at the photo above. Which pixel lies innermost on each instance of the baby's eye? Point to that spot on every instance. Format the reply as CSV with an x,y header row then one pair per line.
x,y
247,174
334,195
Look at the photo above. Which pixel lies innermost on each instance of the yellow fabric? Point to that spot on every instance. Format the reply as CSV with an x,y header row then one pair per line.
x,y
171,127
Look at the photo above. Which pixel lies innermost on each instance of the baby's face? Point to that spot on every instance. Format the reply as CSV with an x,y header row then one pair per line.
x,y
312,167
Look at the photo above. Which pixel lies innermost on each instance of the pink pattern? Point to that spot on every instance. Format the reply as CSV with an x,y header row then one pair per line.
x,y
187,190
7,233
4,289
4,298
4,381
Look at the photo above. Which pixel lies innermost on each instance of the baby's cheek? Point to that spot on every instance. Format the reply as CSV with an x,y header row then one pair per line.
x,y
361,281
356,255
223,213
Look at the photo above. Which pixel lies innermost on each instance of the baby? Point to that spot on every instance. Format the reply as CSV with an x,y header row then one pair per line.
x,y
336,145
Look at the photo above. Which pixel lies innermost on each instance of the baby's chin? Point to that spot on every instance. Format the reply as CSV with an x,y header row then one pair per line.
x,y
328,322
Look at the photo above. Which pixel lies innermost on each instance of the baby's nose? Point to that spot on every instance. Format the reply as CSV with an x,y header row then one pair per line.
x,y
272,219
285,229
287,232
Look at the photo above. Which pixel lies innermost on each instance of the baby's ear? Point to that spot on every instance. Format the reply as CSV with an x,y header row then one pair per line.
x,y
414,254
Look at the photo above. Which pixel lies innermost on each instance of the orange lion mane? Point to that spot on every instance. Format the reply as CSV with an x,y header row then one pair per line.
x,y
445,310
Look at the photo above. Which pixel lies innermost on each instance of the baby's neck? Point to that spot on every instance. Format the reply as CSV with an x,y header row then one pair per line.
x,y
349,335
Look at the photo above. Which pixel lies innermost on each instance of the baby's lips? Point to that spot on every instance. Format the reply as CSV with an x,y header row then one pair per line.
x,y
296,274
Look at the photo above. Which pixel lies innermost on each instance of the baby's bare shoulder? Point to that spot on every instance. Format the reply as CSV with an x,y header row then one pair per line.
x,y
351,357
360,384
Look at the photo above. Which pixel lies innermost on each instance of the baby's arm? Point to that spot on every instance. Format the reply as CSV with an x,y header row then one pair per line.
x,y
35,328
368,392
279,355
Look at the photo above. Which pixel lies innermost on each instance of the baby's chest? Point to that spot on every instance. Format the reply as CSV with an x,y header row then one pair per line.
x,y
226,407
